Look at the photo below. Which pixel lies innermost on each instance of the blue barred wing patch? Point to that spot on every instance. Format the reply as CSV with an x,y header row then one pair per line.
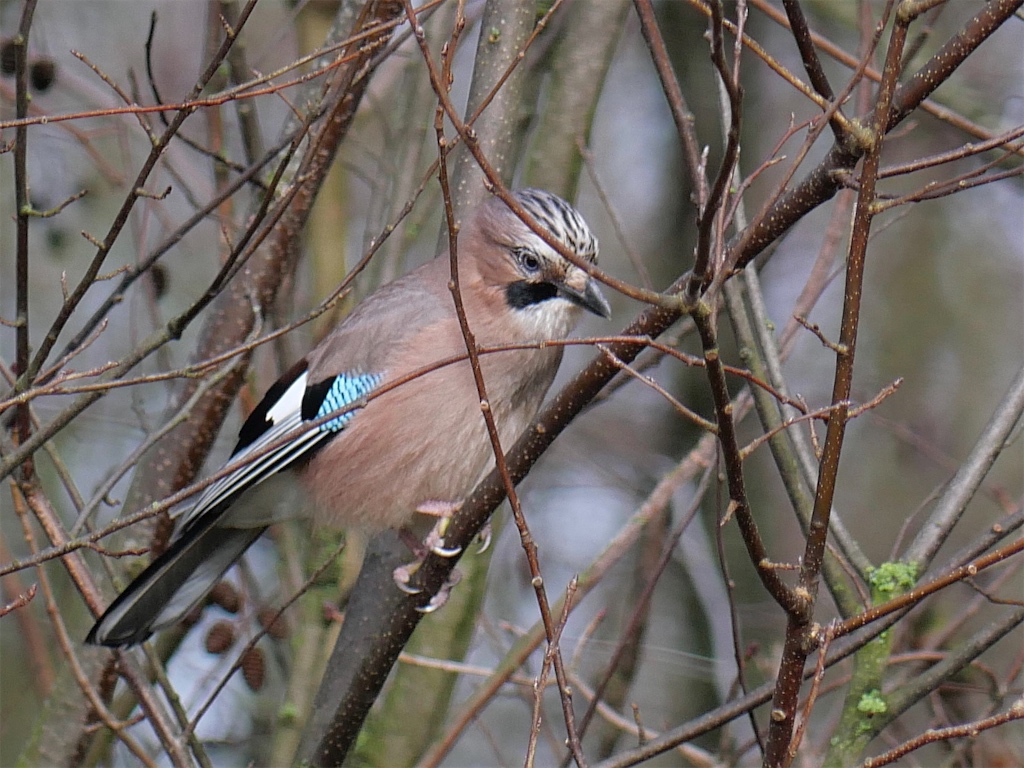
x,y
345,389
281,414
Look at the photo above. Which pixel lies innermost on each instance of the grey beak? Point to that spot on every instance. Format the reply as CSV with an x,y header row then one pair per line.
x,y
590,298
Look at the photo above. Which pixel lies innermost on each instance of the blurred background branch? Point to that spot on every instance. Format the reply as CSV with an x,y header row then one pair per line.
x,y
254,168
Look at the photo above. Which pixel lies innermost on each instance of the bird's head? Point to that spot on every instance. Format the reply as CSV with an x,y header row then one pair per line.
x,y
541,288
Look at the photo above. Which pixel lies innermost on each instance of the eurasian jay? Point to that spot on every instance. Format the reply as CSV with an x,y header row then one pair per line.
x,y
423,442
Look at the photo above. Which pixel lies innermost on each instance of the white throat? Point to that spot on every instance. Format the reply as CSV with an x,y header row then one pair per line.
x,y
550,320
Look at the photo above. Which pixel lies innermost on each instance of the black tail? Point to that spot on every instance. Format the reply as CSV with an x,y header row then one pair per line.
x,y
172,584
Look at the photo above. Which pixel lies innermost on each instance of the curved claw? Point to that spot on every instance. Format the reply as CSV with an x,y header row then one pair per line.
x,y
402,574
432,606
442,594
485,538
441,551
435,540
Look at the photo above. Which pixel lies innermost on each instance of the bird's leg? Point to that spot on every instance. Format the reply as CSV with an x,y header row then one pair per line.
x,y
443,511
434,542
442,594
403,573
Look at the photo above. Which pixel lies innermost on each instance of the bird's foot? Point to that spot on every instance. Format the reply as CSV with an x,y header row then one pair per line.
x,y
443,511
442,594
403,574
434,542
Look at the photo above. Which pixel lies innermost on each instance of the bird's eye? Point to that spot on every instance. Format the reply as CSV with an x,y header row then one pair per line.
x,y
527,260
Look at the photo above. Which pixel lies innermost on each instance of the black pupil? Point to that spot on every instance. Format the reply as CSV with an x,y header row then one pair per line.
x,y
529,262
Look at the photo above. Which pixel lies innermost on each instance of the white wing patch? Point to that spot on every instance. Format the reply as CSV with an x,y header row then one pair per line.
x,y
255,463
290,402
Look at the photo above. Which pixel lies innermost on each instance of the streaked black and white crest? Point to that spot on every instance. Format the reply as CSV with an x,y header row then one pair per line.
x,y
561,220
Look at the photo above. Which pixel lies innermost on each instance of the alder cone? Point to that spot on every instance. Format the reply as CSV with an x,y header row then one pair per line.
x,y
220,637
254,668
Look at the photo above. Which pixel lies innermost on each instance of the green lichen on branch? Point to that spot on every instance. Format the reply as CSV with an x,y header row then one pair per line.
x,y
891,580
864,699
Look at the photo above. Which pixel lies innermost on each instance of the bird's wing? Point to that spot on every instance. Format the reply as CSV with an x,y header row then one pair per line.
x,y
335,377
282,430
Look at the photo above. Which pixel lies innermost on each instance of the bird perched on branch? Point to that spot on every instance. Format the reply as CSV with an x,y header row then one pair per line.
x,y
370,442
